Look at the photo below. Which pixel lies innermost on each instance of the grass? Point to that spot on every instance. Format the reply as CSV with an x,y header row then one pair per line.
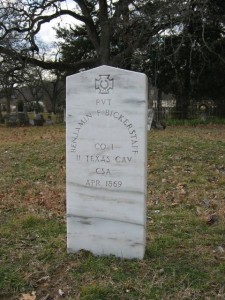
x,y
184,254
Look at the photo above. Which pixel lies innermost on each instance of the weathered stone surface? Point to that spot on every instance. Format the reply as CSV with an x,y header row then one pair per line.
x,y
106,120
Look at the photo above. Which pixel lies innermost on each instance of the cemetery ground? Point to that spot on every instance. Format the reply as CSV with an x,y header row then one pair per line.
x,y
185,252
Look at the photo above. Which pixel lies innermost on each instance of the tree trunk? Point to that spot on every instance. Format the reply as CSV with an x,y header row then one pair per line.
x,y
104,46
8,100
104,52
183,99
159,105
182,106
53,102
1,118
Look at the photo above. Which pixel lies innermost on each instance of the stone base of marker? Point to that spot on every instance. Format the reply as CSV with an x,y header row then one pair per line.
x,y
106,237
106,121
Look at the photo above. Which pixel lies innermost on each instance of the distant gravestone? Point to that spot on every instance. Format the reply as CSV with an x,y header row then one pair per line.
x,y
150,118
106,119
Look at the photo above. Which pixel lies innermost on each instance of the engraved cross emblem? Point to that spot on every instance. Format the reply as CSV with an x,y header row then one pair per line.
x,y
104,84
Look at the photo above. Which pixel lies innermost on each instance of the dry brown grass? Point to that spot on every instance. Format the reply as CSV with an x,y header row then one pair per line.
x,y
185,225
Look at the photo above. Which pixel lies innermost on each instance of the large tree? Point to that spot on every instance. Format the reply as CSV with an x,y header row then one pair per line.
x,y
10,77
176,38
189,61
114,29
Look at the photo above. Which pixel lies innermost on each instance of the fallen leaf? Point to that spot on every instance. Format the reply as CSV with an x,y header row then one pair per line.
x,y
31,296
43,279
220,249
198,211
61,293
212,219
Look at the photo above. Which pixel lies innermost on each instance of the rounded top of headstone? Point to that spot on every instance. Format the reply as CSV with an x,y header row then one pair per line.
x,y
105,68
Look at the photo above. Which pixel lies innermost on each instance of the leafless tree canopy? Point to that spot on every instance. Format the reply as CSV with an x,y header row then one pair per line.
x,y
123,33
135,22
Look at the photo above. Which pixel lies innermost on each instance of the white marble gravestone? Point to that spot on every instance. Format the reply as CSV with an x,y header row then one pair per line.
x,y
106,119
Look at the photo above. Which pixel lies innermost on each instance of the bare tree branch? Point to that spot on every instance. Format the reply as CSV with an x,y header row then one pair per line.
x,y
48,65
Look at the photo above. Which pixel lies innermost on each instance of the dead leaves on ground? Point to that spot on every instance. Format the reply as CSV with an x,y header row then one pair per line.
x,y
186,168
31,296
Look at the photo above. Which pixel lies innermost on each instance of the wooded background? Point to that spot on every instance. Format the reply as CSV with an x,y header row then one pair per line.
x,y
178,44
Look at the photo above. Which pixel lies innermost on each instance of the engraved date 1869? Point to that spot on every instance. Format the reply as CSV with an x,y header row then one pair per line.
x,y
102,183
